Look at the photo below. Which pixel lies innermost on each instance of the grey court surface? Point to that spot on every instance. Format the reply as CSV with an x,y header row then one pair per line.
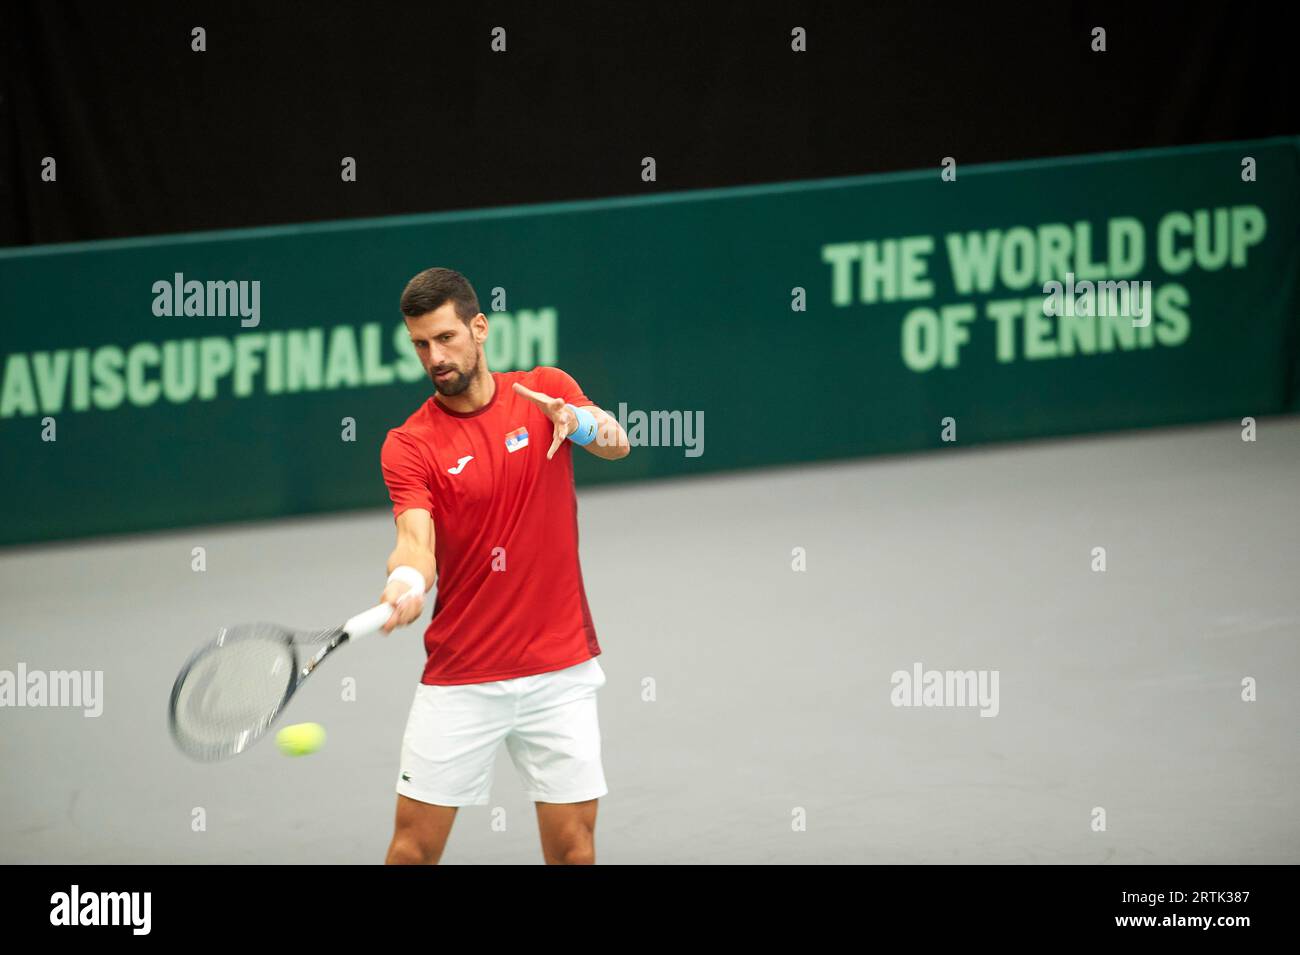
x,y
1120,690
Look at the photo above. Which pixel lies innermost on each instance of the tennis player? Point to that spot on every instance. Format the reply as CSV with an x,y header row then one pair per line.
x,y
481,479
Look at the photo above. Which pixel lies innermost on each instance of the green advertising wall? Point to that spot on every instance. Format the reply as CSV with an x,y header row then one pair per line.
x,y
795,323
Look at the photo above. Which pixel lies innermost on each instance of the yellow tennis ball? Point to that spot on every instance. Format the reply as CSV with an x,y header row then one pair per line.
x,y
300,739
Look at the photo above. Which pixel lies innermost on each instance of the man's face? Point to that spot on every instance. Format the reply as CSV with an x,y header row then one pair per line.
x,y
448,348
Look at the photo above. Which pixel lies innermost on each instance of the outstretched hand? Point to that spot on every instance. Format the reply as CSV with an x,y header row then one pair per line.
x,y
565,421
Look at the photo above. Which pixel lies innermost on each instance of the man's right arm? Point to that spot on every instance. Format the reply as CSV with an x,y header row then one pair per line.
x,y
415,548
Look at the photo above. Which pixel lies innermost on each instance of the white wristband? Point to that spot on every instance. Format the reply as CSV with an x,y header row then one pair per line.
x,y
409,575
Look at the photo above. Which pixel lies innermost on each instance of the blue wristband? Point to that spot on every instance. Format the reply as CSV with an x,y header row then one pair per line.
x,y
586,432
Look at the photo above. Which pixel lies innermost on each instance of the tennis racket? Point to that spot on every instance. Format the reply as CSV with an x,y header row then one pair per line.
x,y
233,689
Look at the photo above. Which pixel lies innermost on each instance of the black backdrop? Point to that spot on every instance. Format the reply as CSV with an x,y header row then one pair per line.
x,y
151,137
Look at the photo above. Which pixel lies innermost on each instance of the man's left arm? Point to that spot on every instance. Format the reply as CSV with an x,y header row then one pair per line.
x,y
565,404
611,440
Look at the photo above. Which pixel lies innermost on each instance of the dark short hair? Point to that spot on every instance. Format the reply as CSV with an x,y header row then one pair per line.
x,y
433,288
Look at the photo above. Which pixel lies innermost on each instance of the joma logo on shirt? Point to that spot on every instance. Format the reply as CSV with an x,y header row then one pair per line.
x,y
460,464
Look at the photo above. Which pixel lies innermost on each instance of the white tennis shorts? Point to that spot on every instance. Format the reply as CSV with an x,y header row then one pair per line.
x,y
549,725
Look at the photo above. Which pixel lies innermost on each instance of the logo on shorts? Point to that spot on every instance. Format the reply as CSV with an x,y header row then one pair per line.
x,y
406,777
516,439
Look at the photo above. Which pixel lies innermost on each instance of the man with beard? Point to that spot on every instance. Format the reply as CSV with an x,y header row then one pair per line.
x,y
481,479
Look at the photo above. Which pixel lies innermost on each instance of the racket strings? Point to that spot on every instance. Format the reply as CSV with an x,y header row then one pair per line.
x,y
317,636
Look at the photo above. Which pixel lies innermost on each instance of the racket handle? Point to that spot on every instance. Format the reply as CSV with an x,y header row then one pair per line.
x,y
370,621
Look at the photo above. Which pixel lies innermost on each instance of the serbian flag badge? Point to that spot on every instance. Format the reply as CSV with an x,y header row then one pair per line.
x,y
516,439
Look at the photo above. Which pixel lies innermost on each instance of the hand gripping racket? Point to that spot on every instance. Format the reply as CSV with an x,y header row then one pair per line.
x,y
230,692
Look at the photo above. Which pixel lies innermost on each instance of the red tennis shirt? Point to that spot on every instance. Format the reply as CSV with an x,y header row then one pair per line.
x,y
510,598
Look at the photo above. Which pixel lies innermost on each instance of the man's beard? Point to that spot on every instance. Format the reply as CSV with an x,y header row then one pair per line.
x,y
456,384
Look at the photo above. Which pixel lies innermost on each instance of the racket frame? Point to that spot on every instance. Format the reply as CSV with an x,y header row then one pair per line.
x,y
299,670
